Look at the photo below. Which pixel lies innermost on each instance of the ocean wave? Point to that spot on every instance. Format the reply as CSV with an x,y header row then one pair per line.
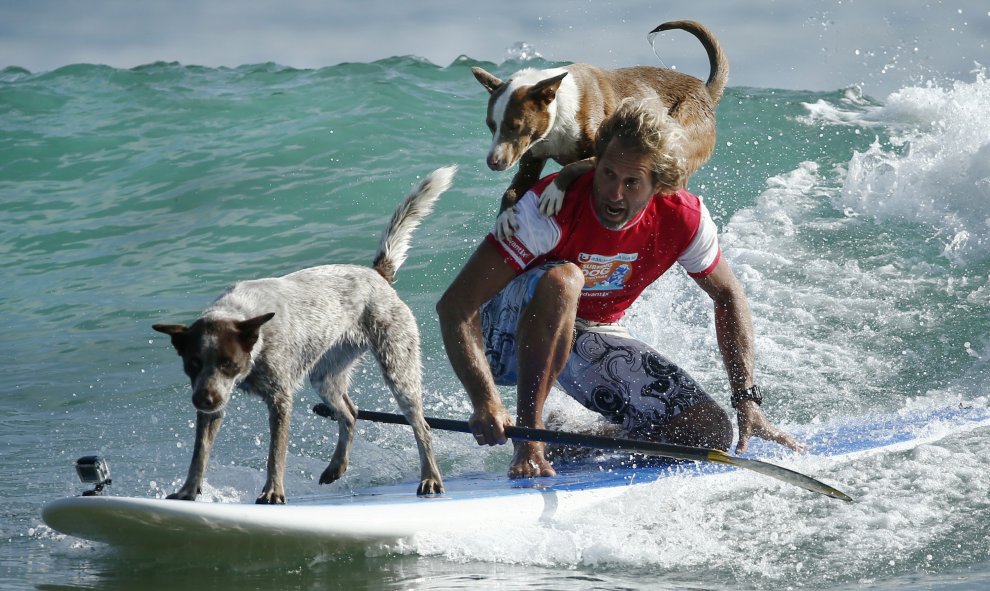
x,y
929,163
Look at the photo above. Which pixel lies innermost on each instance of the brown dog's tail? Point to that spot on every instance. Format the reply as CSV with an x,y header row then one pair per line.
x,y
418,204
717,61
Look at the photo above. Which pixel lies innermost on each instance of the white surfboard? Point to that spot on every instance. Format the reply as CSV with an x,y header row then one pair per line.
x,y
390,513
384,513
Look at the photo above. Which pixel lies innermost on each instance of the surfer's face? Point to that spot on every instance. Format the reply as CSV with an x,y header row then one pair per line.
x,y
623,185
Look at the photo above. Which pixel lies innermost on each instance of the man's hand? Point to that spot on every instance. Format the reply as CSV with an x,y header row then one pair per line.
x,y
753,422
488,423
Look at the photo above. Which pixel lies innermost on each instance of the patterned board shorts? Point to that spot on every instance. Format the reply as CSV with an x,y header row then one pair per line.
x,y
608,371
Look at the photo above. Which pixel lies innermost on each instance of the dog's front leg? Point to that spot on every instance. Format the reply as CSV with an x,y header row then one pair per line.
x,y
207,426
506,224
552,198
279,414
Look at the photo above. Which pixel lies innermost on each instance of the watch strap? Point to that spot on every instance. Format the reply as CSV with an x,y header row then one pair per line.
x,y
753,393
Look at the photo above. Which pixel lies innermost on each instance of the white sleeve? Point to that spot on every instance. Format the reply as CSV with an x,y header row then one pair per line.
x,y
537,234
703,252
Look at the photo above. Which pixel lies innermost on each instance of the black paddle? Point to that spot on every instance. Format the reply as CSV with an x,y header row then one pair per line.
x,y
650,448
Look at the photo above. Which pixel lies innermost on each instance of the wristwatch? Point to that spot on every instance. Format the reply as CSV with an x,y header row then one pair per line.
x,y
753,393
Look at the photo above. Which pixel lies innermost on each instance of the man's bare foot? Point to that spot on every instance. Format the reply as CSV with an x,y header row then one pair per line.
x,y
528,461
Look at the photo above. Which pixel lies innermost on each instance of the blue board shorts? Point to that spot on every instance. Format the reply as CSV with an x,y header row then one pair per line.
x,y
608,371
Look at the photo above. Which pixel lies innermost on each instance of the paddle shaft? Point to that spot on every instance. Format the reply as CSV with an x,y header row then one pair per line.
x,y
652,448
680,452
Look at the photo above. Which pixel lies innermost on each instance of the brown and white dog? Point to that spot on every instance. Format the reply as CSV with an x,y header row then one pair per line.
x,y
267,335
538,115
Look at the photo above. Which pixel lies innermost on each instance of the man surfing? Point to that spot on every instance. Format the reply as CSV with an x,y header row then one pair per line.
x,y
542,306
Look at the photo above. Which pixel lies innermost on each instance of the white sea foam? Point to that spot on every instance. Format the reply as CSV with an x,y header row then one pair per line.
x,y
935,168
853,109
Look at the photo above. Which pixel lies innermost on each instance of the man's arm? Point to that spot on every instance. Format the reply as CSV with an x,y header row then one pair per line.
x,y
734,331
459,310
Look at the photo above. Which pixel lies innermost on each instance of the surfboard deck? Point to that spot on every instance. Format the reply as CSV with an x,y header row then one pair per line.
x,y
389,513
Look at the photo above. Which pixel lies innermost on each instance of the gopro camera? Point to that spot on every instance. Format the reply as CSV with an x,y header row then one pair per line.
x,y
93,470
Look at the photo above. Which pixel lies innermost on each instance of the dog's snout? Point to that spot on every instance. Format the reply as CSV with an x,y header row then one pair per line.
x,y
502,157
207,400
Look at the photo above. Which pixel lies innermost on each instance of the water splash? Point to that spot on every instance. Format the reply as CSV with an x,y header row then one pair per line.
x,y
933,170
522,52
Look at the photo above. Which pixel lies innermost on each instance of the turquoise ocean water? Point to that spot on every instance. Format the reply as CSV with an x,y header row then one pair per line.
x,y
858,225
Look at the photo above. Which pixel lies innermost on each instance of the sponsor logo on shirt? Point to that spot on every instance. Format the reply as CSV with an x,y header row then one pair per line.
x,y
606,273
519,250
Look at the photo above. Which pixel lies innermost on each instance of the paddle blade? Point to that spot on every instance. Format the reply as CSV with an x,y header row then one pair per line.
x,y
780,473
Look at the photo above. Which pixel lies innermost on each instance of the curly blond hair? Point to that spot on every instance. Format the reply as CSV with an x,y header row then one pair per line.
x,y
645,126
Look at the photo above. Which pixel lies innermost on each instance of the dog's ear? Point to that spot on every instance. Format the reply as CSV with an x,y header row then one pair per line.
x,y
545,91
487,80
249,329
178,332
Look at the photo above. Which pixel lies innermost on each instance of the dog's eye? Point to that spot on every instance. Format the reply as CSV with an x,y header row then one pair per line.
x,y
227,366
193,365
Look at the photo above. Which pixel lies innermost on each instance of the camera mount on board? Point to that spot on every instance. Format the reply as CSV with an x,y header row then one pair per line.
x,y
93,470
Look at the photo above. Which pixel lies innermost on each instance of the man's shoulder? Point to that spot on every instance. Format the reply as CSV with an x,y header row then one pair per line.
x,y
680,200
682,205
542,184
581,183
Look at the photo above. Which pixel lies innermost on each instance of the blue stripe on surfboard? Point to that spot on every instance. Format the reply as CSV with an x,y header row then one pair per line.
x,y
573,477
868,433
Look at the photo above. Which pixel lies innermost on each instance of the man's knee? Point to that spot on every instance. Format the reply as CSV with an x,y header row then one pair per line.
x,y
562,281
445,310
452,309
702,425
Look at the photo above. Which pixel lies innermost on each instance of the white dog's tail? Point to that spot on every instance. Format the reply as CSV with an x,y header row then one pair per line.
x,y
418,204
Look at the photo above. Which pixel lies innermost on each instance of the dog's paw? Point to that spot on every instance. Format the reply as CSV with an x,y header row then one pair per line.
x,y
506,224
186,493
182,495
551,200
430,486
270,498
333,472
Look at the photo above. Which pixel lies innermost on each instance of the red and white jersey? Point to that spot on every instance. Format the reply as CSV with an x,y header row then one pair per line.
x,y
617,264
